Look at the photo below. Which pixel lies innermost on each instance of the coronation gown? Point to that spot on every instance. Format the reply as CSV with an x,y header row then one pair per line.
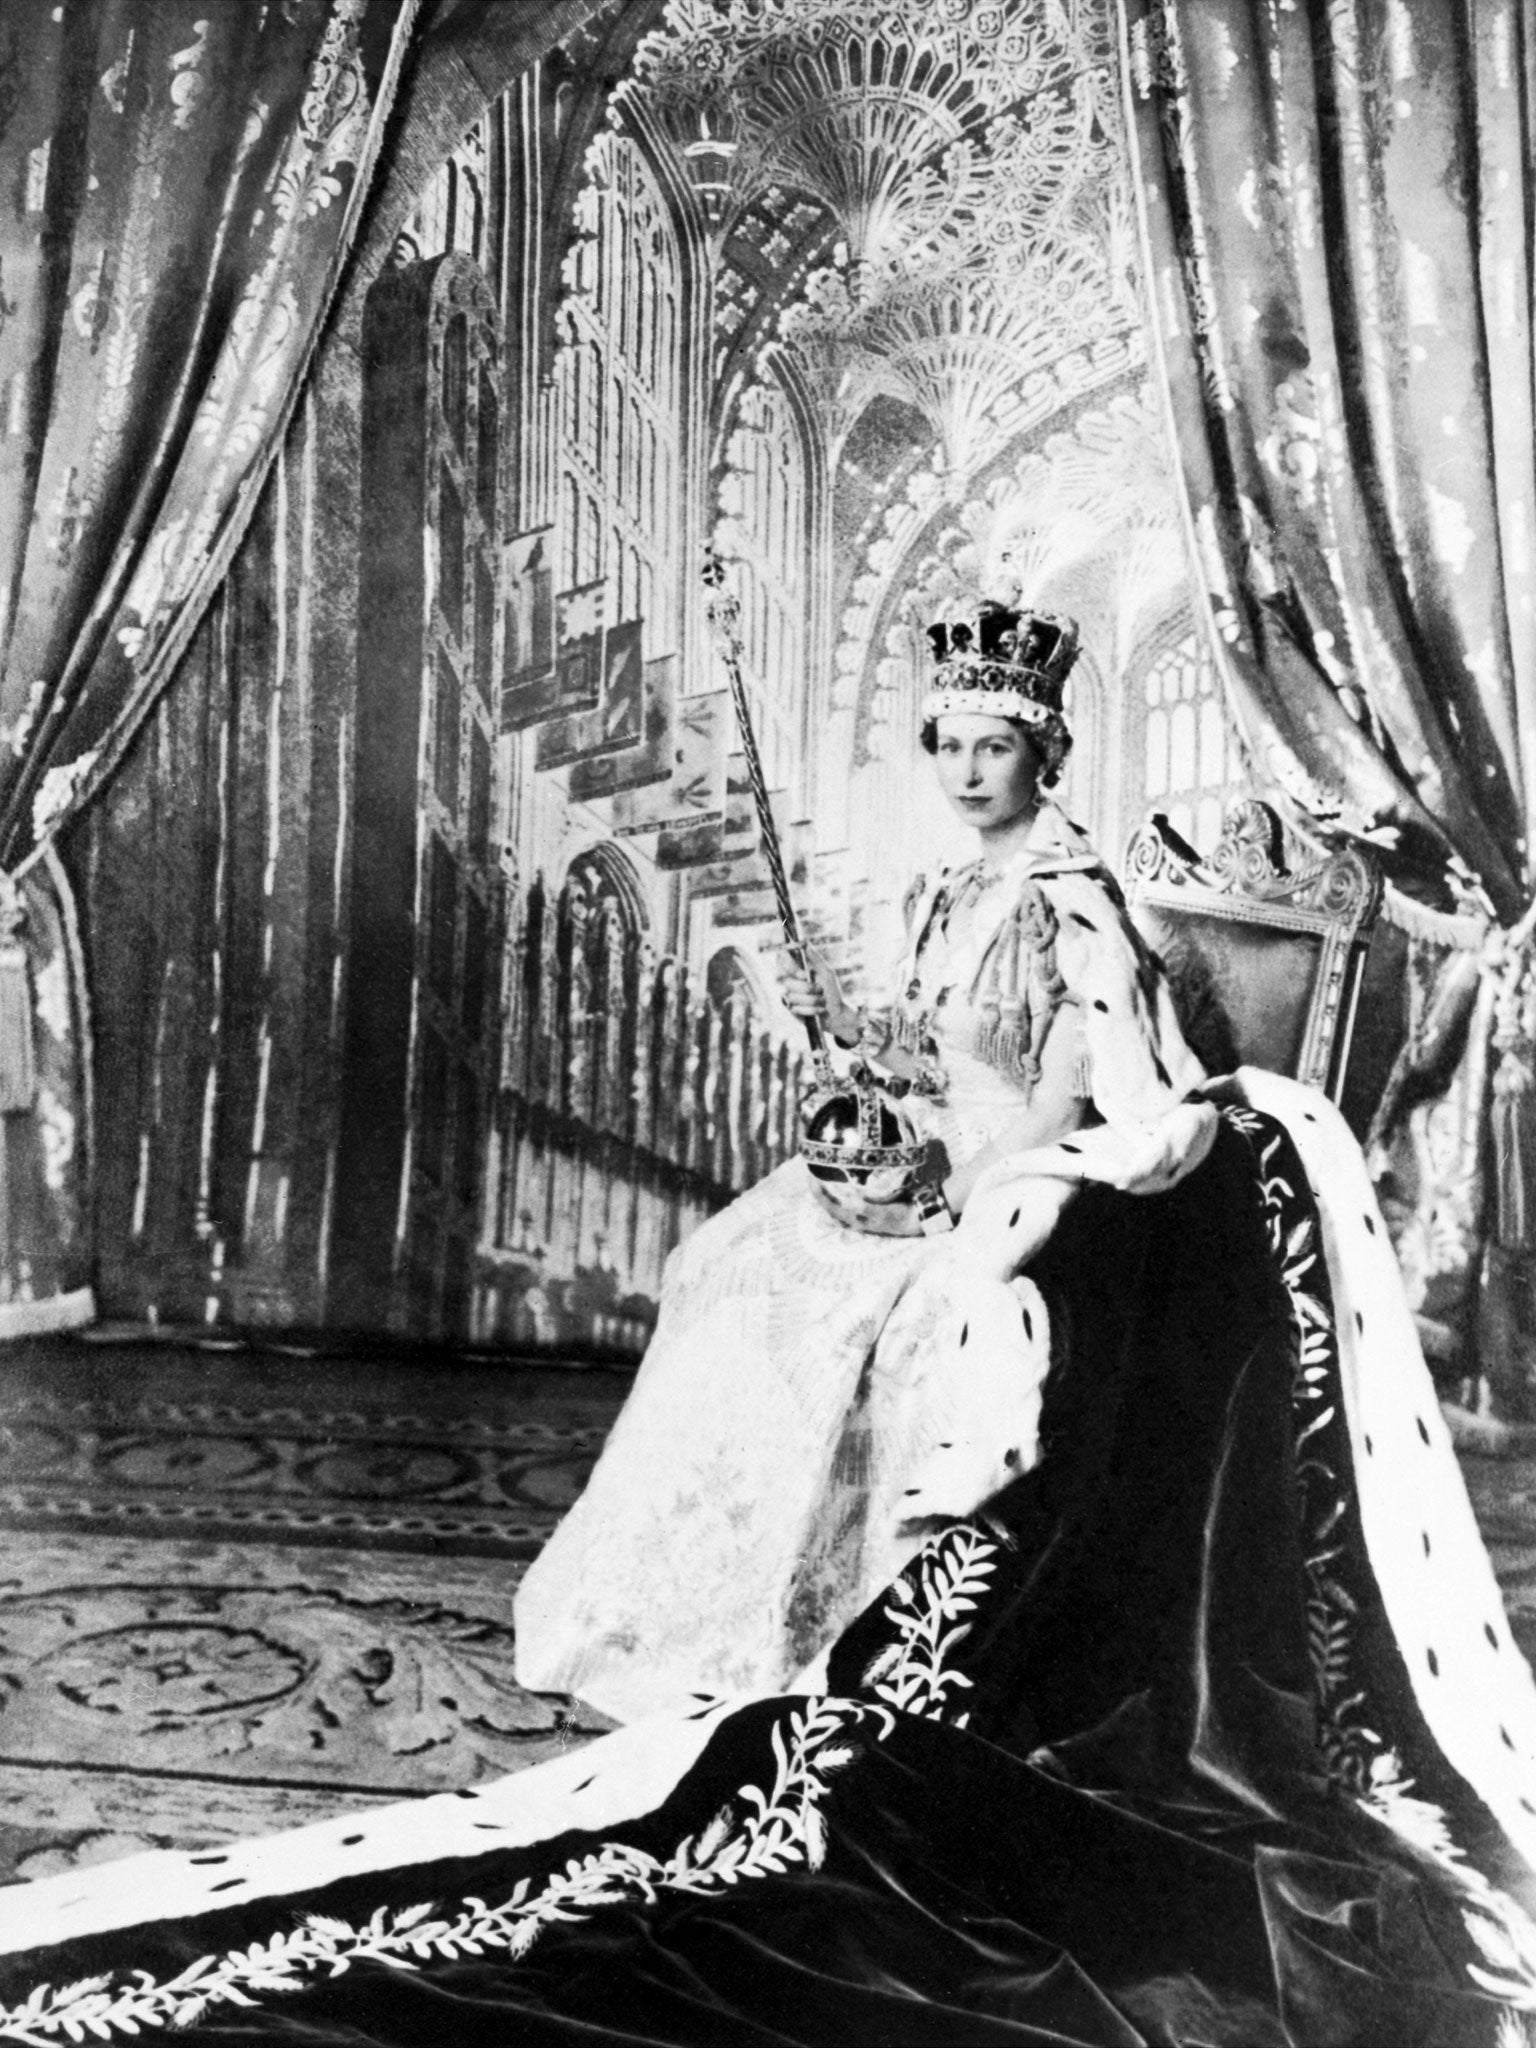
x,y
1201,1723
812,1395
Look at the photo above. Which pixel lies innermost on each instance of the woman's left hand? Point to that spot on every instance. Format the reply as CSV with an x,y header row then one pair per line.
x,y
871,1217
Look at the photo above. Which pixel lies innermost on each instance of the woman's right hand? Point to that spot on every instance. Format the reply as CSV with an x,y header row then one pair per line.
x,y
812,990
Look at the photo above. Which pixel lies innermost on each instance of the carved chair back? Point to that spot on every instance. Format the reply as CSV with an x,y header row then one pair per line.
x,y
1263,941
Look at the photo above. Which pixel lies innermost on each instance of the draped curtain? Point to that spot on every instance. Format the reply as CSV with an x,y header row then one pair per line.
x,y
1337,214
182,183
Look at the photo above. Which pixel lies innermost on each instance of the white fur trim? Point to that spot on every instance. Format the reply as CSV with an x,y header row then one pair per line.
x,y
615,1779
1472,1685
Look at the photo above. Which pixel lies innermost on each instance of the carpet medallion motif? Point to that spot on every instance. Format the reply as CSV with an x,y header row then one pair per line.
x,y
241,1593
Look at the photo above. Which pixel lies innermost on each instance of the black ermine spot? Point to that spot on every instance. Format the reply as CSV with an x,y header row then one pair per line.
x,y
210,1859
1013,1220
1369,1448
1488,1632
1424,1534
1370,1224
1505,1738
1360,1322
227,1885
1100,1004
1434,1663
913,1489
965,1331
1029,1328
1311,1119
586,1782
1423,1432
1011,1459
1087,923
351,1841
1073,1149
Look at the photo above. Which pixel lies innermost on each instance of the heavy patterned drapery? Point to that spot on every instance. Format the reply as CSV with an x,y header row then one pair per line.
x,y
1337,208
182,185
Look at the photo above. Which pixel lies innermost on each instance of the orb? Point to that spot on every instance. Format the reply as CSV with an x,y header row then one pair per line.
x,y
853,1132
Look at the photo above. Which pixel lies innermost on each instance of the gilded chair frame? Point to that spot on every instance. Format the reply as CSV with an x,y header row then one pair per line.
x,y
1258,877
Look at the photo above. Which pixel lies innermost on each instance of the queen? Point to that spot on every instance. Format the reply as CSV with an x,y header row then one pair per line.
x,y
836,1371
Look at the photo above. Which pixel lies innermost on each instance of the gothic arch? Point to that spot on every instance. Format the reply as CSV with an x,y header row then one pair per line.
x,y
771,519
1091,733
728,970
609,874
1166,632
470,56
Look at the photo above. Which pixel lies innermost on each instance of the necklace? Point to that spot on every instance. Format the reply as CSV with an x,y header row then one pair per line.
x,y
968,888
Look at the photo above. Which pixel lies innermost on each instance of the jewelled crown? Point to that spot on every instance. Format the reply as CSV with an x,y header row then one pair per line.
x,y
1009,664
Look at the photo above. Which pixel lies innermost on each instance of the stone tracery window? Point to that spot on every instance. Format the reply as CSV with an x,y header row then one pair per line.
x,y
618,382
451,214
766,498
1192,766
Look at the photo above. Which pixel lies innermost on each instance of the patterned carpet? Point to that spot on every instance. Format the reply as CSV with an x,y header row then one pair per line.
x,y
245,1589
139,1441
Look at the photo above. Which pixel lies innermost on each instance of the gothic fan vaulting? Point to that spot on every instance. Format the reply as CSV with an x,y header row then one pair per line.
x,y
920,224
968,161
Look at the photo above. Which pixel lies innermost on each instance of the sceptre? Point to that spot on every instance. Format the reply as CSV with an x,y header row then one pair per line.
x,y
853,1129
723,610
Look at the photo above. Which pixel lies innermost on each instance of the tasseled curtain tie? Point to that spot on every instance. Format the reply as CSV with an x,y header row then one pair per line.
x,y
18,1066
1506,961
1508,958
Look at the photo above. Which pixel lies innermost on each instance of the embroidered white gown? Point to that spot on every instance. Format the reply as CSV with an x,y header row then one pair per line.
x,y
812,1393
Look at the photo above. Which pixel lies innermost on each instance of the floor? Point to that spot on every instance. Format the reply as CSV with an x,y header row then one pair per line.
x,y
248,1588
244,1589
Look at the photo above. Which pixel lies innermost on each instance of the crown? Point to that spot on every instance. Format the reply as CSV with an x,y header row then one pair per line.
x,y
1011,664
